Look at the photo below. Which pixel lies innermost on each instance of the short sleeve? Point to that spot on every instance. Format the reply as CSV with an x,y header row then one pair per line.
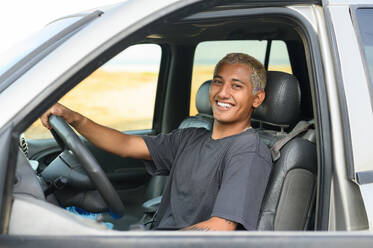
x,y
244,182
162,149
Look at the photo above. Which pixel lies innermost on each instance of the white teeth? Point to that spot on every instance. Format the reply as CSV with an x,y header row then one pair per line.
x,y
224,105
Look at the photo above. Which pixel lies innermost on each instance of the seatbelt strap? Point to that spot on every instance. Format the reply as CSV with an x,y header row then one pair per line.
x,y
301,127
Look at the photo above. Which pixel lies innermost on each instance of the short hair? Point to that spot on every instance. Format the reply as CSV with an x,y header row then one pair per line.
x,y
258,73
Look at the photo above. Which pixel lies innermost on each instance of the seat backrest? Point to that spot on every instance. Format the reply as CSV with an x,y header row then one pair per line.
x,y
204,119
289,196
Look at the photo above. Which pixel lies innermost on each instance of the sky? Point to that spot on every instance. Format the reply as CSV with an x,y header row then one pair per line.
x,y
21,18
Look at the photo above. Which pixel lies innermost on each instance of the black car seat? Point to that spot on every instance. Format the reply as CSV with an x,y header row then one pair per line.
x,y
203,119
290,193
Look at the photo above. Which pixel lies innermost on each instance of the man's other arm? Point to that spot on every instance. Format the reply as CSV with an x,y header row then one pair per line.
x,y
213,224
103,137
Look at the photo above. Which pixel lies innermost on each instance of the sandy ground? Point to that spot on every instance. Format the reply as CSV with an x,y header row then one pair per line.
x,y
121,100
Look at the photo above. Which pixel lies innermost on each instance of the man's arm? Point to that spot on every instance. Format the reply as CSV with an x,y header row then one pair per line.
x,y
106,138
213,224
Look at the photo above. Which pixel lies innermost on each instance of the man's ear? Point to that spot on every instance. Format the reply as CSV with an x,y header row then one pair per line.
x,y
259,98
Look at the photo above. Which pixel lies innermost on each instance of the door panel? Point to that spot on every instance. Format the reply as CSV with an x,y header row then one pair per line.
x,y
227,239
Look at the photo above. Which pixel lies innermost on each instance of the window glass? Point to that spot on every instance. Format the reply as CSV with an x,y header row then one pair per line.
x,y
364,18
279,57
210,52
120,94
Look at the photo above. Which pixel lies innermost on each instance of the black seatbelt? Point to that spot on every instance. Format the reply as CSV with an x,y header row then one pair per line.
x,y
301,127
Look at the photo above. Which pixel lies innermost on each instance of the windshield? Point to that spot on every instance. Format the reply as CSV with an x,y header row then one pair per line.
x,y
30,52
20,51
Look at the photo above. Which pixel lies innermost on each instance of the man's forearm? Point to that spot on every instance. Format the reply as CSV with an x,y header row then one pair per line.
x,y
110,139
104,137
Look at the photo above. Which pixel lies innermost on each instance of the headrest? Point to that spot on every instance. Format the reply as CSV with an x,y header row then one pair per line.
x,y
203,99
281,106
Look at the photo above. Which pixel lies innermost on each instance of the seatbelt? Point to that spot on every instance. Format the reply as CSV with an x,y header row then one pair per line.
x,y
301,127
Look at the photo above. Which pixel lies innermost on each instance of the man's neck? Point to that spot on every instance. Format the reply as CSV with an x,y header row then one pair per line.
x,y
221,130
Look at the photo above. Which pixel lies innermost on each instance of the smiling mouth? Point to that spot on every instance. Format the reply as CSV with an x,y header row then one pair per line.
x,y
224,105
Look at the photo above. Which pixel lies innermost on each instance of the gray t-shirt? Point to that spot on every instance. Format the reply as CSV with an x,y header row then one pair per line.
x,y
225,178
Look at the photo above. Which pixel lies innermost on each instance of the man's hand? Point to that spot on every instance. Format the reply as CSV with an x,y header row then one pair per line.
x,y
213,224
68,115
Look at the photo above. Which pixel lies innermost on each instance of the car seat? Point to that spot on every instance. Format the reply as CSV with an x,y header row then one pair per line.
x,y
290,193
204,118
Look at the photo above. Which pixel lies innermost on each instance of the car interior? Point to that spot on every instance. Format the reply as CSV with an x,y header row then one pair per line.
x,y
291,197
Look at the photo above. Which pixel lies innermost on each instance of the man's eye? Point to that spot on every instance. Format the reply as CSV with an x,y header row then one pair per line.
x,y
236,86
216,81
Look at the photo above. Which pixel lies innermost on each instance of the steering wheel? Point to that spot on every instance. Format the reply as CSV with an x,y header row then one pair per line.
x,y
68,139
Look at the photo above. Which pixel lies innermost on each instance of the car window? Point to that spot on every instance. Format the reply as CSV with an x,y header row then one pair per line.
x,y
208,53
364,17
279,57
120,94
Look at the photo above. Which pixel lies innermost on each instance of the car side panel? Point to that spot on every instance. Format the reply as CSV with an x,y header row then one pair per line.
x,y
193,239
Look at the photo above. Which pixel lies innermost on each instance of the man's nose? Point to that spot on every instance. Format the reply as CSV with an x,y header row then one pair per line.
x,y
224,91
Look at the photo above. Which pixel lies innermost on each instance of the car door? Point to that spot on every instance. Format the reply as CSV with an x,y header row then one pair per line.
x,y
356,73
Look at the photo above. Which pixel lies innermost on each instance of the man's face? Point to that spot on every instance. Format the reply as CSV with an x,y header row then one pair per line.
x,y
231,95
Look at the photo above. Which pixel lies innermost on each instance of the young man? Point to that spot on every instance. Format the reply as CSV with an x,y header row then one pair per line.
x,y
216,180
